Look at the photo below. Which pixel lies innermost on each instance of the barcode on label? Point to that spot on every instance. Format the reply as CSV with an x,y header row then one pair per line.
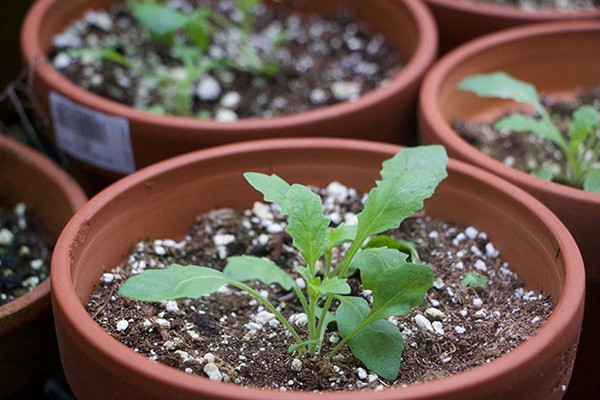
x,y
92,136
85,125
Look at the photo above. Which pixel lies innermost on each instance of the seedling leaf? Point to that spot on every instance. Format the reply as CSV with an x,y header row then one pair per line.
x,y
592,181
306,224
544,173
372,263
378,345
341,234
504,86
413,160
524,123
585,121
399,289
273,188
474,280
247,268
334,285
174,282
158,19
404,246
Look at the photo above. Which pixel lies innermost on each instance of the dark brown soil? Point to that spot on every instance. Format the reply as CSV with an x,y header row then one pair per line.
x,y
468,327
25,252
325,61
560,5
526,151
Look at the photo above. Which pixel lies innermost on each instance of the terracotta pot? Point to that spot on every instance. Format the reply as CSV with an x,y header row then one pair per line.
x,y
557,59
383,114
28,349
163,200
460,21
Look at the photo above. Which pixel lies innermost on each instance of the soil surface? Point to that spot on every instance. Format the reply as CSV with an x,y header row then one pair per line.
x,y
323,61
25,252
229,336
521,150
532,5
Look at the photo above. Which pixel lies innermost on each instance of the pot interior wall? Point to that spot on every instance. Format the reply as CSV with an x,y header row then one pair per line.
x,y
576,54
165,206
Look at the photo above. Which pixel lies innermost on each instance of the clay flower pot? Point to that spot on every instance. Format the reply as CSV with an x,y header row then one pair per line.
x,y
460,21
557,59
162,200
28,349
382,114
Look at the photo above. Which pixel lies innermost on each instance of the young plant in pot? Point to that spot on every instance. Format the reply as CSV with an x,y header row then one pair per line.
x,y
98,363
231,71
36,201
461,21
464,124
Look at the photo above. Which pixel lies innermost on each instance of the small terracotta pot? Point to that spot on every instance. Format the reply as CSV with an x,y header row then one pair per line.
x,y
383,114
557,59
28,349
163,200
460,21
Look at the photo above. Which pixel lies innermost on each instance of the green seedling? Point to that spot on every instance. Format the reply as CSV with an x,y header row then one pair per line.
x,y
199,28
474,280
580,145
188,36
397,280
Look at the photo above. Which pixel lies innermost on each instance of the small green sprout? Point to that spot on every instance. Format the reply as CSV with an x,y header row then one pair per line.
x,y
397,280
473,280
580,145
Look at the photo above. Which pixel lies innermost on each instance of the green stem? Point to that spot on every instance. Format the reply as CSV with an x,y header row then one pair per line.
x,y
341,269
321,325
270,306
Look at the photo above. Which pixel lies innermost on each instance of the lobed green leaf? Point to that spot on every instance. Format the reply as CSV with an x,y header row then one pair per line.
x,y
525,123
393,200
273,188
307,225
503,86
413,160
173,282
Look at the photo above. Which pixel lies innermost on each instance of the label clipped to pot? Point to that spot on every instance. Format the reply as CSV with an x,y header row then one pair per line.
x,y
91,136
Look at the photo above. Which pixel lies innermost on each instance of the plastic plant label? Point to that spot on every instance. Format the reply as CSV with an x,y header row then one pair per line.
x,y
91,136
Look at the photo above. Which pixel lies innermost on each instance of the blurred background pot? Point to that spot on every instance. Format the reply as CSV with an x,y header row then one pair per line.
x,y
558,58
28,349
385,114
460,21
162,201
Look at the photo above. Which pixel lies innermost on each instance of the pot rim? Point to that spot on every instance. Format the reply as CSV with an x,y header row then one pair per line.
x,y
65,296
429,95
514,13
13,313
412,71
